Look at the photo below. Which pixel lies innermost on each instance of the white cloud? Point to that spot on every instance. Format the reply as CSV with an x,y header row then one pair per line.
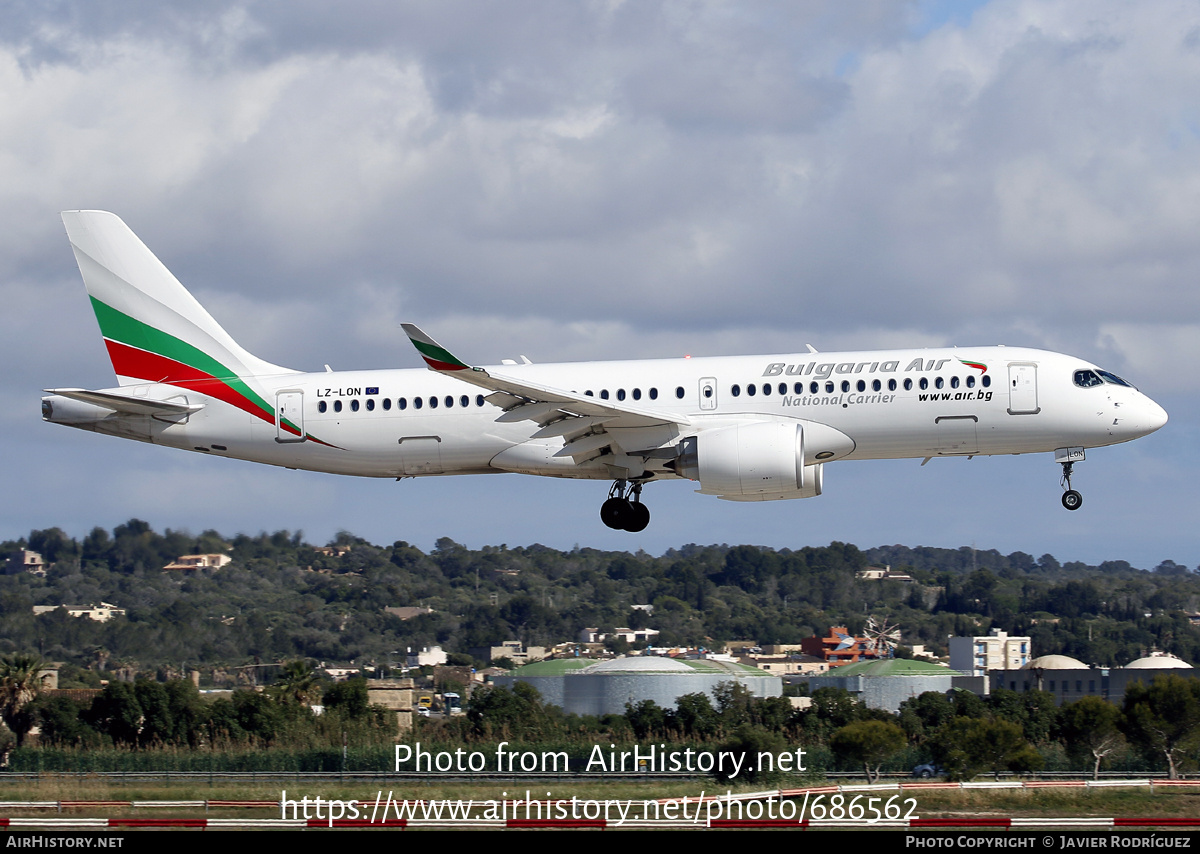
x,y
592,181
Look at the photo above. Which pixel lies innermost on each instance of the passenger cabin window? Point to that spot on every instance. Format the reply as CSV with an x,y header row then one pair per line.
x,y
620,394
402,403
908,384
417,403
971,381
370,404
479,400
637,394
985,381
953,382
752,389
654,394
679,392
337,406
387,404
604,394
736,390
891,385
322,406
861,385
924,383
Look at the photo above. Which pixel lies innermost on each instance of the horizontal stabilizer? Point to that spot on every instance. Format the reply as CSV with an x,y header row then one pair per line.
x,y
127,403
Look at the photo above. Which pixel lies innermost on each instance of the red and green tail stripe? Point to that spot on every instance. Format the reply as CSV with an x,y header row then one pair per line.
x,y
142,352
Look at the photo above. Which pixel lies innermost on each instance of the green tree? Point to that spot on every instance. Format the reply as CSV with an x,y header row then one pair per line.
x,y
515,712
297,684
19,684
747,745
647,718
998,745
867,743
60,720
965,746
1163,718
348,697
923,715
695,716
116,713
1090,728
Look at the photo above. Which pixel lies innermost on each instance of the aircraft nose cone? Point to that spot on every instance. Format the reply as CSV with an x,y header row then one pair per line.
x,y
1154,416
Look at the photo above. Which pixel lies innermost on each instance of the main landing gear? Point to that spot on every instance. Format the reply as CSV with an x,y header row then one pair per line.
x,y
624,510
1071,499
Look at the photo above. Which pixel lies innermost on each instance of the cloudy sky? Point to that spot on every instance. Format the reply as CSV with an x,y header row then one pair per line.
x,y
574,181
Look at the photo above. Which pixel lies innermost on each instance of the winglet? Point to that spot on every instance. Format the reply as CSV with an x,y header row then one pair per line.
x,y
437,357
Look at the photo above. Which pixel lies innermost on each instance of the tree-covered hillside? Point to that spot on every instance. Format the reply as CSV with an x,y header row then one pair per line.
x,y
282,599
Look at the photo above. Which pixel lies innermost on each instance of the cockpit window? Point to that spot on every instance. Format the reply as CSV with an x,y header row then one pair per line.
x,y
1087,379
1114,379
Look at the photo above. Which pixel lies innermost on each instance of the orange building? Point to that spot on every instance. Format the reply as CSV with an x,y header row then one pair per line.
x,y
839,647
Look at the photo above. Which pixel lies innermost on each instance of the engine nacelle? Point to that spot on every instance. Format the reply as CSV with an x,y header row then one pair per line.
x,y
753,462
64,410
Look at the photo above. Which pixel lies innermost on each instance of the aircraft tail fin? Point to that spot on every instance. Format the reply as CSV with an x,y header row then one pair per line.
x,y
155,331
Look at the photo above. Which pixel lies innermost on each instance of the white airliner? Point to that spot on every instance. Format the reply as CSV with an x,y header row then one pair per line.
x,y
746,428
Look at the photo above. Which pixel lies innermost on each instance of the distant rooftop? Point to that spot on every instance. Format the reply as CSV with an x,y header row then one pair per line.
x,y
892,667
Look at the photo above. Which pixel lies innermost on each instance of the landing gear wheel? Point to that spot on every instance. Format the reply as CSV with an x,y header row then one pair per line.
x,y
1071,499
638,518
624,510
614,512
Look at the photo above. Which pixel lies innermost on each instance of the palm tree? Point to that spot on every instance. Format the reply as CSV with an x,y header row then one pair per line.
x,y
19,684
297,684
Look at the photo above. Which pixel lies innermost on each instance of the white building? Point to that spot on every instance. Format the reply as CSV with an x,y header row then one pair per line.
x,y
997,651
430,656
594,635
101,613
192,562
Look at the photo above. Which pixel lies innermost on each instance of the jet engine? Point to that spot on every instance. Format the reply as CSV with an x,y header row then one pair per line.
x,y
750,462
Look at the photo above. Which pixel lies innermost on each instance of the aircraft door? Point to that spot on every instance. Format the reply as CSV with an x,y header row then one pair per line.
x,y
289,416
1022,389
708,393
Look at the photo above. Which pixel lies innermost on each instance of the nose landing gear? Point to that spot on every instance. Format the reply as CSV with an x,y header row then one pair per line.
x,y
1071,499
624,510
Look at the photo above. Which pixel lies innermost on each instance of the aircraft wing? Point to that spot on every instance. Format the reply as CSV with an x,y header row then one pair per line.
x,y
127,403
588,425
